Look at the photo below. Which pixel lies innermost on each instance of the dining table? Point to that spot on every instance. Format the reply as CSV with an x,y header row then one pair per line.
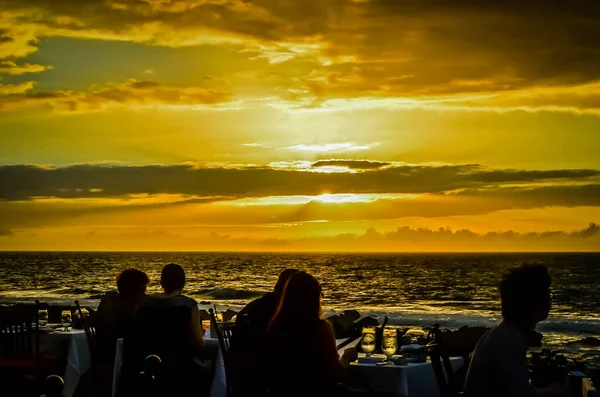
x,y
401,378
53,337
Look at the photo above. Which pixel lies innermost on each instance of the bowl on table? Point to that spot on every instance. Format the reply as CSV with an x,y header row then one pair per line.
x,y
414,353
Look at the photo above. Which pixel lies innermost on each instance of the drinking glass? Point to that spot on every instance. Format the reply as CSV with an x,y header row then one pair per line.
x,y
367,343
65,319
389,344
42,317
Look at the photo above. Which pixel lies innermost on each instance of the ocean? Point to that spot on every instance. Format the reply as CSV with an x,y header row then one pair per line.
x,y
416,290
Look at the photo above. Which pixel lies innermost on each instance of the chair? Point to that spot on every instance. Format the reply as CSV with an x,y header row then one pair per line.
x,y
98,381
224,333
53,386
90,333
149,379
162,329
240,349
21,364
448,344
19,339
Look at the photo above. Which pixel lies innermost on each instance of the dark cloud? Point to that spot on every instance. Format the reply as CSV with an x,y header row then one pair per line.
x,y
352,164
24,214
22,182
592,230
539,196
499,176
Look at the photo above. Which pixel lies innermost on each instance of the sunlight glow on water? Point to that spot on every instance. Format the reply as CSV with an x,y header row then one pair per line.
x,y
412,289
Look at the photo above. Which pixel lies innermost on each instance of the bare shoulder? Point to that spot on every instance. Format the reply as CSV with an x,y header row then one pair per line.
x,y
326,327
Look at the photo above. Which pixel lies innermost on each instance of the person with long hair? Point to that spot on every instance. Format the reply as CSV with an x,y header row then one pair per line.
x,y
258,313
306,361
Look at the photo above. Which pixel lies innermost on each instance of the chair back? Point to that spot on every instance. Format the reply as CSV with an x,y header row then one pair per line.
x,y
161,329
244,367
53,386
459,343
224,333
90,332
149,379
19,336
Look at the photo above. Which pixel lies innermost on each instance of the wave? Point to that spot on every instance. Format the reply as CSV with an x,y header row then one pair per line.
x,y
82,291
558,324
226,294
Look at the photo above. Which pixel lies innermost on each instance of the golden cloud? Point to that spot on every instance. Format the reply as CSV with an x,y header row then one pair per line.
x,y
470,54
132,93
15,89
11,68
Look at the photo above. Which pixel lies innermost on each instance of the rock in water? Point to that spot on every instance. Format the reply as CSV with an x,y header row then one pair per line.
x,y
228,315
591,341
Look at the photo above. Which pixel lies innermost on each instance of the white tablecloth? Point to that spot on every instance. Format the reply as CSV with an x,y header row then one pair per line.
x,y
410,380
219,384
79,360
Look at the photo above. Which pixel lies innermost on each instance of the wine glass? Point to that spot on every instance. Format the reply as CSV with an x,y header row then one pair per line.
x,y
367,343
65,319
42,317
389,344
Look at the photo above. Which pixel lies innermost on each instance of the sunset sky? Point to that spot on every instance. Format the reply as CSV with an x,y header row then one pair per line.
x,y
299,125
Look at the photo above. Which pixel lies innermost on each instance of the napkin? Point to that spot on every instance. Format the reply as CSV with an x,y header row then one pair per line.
x,y
413,347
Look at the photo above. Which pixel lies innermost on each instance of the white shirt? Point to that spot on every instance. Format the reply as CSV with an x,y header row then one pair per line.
x,y
499,365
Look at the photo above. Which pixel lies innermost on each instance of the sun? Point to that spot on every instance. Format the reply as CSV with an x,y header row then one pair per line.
x,y
338,198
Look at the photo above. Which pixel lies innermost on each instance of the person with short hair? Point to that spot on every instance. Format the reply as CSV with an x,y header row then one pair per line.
x,y
258,313
499,363
116,311
168,325
171,300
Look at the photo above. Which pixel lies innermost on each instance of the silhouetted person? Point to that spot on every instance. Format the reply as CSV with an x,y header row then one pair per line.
x,y
302,344
499,363
116,311
177,306
259,312
168,325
